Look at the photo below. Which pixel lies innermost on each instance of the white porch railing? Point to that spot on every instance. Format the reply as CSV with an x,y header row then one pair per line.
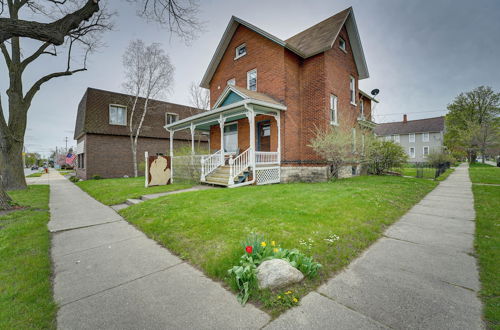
x,y
239,164
266,158
210,163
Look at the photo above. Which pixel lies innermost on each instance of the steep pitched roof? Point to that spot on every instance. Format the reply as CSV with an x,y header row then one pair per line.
x,y
93,115
411,126
307,43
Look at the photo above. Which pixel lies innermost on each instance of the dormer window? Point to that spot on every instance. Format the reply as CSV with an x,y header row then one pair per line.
x,y
342,44
171,118
241,50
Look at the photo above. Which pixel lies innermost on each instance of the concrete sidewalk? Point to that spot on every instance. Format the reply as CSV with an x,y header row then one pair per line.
x,y
420,275
109,275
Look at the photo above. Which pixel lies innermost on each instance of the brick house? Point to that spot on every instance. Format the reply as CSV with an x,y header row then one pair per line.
x,y
417,137
102,134
268,96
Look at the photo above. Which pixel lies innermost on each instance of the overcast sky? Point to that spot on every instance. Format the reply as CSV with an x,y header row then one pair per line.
x,y
420,54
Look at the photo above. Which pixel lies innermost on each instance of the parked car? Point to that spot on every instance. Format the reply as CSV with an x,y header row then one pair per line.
x,y
34,168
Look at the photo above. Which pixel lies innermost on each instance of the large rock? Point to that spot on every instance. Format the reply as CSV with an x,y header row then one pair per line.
x,y
276,273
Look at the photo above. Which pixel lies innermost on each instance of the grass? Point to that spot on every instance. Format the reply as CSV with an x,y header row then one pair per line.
x,y
428,173
35,175
25,269
116,191
207,227
484,173
487,244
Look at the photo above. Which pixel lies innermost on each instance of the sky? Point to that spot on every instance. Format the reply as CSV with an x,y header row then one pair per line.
x,y
420,54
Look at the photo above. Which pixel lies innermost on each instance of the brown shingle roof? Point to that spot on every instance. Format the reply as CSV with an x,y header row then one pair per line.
x,y
411,126
319,37
93,115
256,95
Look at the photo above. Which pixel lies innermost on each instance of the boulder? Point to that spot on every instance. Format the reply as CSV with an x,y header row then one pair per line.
x,y
276,273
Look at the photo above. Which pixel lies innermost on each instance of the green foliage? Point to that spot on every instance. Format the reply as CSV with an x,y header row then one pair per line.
x,y
96,177
283,299
74,179
25,269
487,243
383,155
437,157
472,124
243,277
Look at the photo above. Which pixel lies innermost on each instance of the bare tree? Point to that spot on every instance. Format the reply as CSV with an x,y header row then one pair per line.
x,y
65,28
149,74
199,97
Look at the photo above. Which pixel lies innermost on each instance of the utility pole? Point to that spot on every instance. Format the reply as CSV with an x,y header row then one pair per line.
x,y
66,140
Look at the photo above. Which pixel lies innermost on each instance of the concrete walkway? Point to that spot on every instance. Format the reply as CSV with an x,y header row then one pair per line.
x,y
109,275
420,275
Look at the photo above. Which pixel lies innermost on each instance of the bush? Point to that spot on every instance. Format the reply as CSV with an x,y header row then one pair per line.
x,y
381,156
74,179
439,157
96,177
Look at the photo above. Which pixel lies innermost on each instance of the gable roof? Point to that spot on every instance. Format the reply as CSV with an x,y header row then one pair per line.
x,y
245,94
307,43
93,115
411,126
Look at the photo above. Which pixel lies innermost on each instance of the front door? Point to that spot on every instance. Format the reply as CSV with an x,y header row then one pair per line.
x,y
264,136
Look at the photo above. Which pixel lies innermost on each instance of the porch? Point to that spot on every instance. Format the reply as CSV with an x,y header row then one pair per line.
x,y
245,140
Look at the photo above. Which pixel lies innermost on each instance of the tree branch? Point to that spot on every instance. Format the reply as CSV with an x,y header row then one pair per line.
x,y
36,54
5,53
54,32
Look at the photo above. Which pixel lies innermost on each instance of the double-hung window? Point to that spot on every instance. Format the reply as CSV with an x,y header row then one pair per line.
x,y
412,152
425,137
117,115
333,110
361,108
252,80
411,137
426,151
352,86
231,137
395,138
171,118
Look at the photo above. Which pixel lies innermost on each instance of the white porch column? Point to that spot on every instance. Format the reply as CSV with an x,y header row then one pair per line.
x,y
193,127
251,121
277,117
221,121
172,156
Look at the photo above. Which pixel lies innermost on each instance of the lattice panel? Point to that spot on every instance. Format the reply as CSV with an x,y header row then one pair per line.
x,y
267,175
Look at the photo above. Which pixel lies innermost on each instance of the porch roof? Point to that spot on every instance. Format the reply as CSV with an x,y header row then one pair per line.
x,y
260,103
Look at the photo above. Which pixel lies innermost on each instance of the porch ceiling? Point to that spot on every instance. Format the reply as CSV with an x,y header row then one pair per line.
x,y
231,112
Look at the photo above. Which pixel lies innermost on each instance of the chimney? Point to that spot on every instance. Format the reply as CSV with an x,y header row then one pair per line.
x,y
405,119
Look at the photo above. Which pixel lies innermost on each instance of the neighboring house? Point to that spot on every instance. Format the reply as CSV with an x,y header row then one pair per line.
x,y
102,134
268,97
417,137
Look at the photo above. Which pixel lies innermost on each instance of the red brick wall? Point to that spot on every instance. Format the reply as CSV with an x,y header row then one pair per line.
x,y
110,157
262,54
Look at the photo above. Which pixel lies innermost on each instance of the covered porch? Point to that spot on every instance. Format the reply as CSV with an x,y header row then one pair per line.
x,y
245,139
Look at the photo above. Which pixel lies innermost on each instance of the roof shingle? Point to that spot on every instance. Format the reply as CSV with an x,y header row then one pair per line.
x,y
411,126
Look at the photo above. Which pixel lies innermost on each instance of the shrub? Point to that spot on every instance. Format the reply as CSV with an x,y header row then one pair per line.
x,y
74,179
96,177
381,156
438,157
243,277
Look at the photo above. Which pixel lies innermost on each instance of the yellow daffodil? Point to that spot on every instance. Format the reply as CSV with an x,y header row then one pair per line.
x,y
295,300
275,250
288,292
263,244
273,243
279,297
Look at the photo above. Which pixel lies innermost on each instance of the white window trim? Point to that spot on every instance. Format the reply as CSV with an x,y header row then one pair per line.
x,y
396,138
424,135
352,81
340,44
236,56
423,151
248,79
414,152
233,81
410,140
335,109
117,106
171,113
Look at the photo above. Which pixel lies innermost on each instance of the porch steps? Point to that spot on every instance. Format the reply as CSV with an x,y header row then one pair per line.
x,y
220,176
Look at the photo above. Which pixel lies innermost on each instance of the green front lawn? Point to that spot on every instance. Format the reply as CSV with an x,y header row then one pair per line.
x,y
116,191
25,270
35,175
487,244
428,173
484,173
207,227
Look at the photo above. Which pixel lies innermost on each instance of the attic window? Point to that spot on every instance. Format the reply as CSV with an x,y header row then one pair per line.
x,y
171,118
241,50
342,44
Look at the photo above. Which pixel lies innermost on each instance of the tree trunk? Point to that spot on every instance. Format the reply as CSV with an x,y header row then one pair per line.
x,y
11,165
5,201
